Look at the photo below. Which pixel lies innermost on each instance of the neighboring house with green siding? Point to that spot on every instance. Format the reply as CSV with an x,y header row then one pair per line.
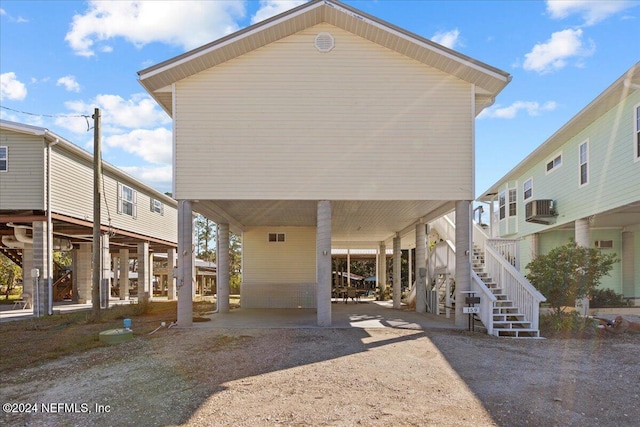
x,y
583,183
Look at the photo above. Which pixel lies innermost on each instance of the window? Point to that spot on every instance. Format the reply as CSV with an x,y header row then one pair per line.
x,y
637,142
513,201
4,159
555,163
126,200
276,237
501,203
584,163
527,188
157,206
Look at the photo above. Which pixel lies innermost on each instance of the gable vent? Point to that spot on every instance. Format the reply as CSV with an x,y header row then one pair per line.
x,y
324,42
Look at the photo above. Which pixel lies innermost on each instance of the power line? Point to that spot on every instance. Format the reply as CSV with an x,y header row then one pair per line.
x,y
54,116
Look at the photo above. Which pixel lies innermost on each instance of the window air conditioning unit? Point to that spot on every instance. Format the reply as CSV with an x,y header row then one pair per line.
x,y
604,244
540,212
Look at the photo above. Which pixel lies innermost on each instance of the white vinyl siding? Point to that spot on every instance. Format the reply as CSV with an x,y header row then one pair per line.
x,y
22,183
360,122
281,276
4,158
583,164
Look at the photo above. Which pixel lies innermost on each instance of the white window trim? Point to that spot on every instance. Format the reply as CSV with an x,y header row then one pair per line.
x,y
6,158
524,192
580,184
636,133
509,202
133,201
552,159
153,206
503,195
277,237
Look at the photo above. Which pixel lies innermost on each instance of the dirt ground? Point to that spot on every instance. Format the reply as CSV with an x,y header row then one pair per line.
x,y
333,377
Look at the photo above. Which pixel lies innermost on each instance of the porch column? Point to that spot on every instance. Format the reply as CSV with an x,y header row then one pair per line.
x,y
222,261
42,260
105,261
124,274
628,265
463,258
115,281
582,233
421,267
534,245
82,272
323,263
382,270
151,276
143,271
410,265
397,274
171,285
186,263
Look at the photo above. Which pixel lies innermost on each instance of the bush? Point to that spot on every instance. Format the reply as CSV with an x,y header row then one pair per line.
x,y
601,298
566,324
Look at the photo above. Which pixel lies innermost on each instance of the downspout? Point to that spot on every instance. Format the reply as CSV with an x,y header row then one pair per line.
x,y
49,230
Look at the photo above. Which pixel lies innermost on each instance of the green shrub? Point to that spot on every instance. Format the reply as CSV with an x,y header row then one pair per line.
x,y
567,324
601,298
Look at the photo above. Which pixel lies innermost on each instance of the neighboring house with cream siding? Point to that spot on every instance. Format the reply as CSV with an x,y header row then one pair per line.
x,y
583,183
315,130
46,203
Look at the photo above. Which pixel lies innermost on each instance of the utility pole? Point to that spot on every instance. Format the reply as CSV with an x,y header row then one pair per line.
x,y
97,193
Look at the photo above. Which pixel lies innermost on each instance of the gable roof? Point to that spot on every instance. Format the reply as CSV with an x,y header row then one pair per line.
x,y
612,96
157,80
70,147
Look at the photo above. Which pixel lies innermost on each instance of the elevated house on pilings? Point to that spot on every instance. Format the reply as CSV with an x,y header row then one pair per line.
x,y
46,204
314,130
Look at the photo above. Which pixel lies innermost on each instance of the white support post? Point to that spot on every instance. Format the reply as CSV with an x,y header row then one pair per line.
x,y
463,257
323,263
223,268
186,263
171,263
582,234
143,271
124,274
41,262
382,271
397,273
105,266
421,268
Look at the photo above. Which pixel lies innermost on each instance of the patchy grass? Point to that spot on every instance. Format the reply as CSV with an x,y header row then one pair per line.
x,y
29,342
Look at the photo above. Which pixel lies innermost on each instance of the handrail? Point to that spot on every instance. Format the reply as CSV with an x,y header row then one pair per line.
x,y
508,248
486,301
515,285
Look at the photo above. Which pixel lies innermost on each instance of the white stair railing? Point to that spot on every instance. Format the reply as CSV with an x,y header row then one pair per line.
x,y
519,290
508,248
487,298
441,260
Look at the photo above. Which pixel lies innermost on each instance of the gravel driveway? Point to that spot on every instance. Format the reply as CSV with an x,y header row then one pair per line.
x,y
216,375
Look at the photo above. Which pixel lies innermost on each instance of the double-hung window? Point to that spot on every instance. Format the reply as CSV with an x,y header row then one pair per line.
x,y
157,206
127,200
513,202
583,153
4,159
502,200
527,189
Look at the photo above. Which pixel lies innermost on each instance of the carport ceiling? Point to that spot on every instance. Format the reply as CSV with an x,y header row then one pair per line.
x,y
352,221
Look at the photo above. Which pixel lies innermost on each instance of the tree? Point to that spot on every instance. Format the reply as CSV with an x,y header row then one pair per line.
x,y
9,274
205,238
569,273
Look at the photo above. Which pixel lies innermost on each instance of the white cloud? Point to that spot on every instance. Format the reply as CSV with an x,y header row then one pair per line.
x,y
117,113
448,39
11,87
555,53
69,82
592,11
159,177
2,12
531,107
269,8
183,23
154,146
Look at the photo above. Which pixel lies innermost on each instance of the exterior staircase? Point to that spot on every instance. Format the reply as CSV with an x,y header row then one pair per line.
x,y
508,321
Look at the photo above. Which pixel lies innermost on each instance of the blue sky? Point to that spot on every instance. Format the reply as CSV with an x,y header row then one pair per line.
x,y
61,59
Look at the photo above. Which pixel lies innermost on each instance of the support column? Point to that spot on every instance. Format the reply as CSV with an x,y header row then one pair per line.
x,y
463,257
410,265
382,271
534,245
124,274
105,261
186,263
151,275
628,265
28,283
42,261
323,263
115,281
143,271
82,272
582,233
171,263
222,296
74,274
421,268
397,273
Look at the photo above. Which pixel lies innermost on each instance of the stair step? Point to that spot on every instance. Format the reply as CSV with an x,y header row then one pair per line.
x,y
517,333
504,317
506,310
512,324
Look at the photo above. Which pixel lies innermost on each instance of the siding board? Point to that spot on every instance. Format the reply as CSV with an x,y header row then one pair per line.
x,y
22,186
